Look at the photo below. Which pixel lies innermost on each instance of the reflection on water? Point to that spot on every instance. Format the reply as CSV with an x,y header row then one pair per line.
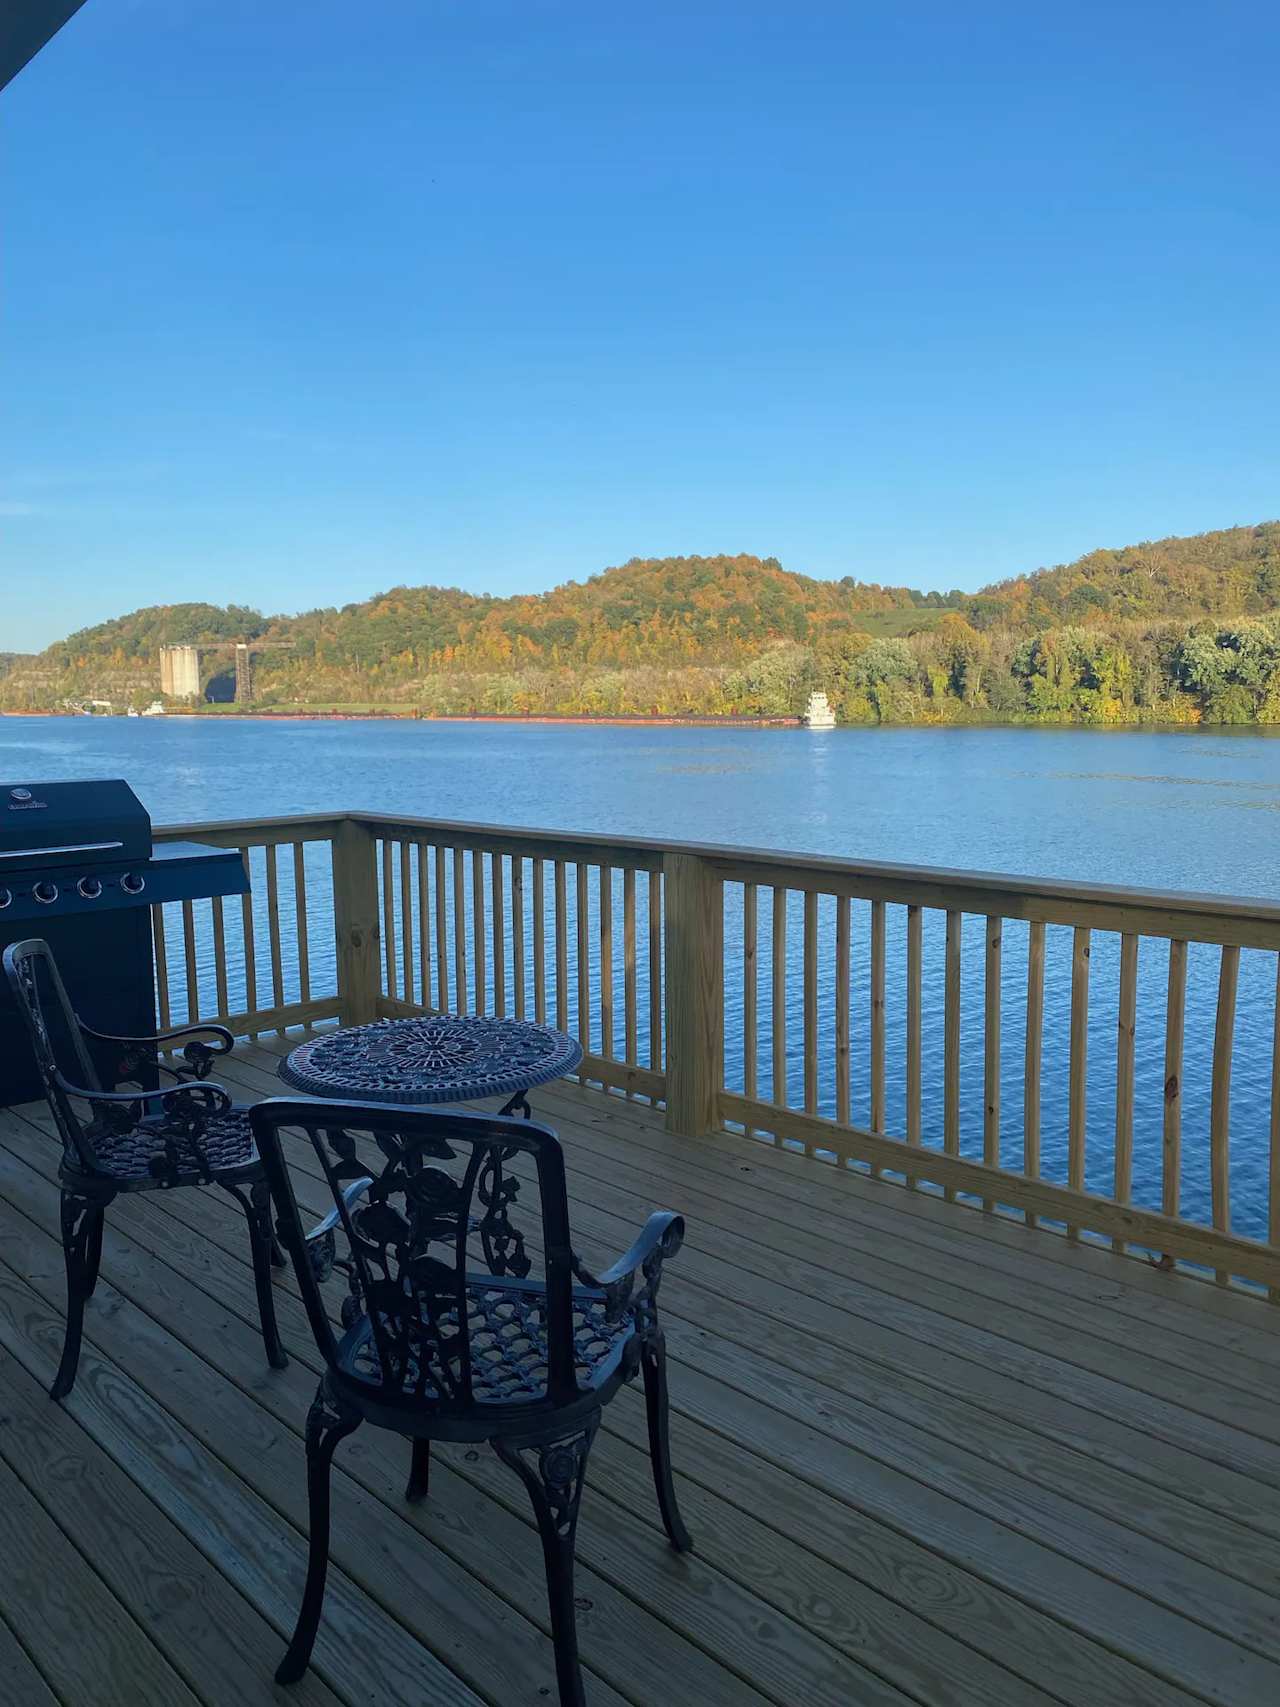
x,y
1176,809
1187,781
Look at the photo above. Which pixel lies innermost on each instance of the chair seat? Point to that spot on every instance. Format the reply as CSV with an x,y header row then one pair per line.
x,y
128,1157
508,1331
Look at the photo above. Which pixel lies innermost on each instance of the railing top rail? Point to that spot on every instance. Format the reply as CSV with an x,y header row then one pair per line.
x,y
587,846
237,832
1250,921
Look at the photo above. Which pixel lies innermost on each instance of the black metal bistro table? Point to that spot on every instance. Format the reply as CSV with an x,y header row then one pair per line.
x,y
438,1058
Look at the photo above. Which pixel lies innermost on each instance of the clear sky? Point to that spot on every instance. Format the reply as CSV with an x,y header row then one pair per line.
x,y
300,299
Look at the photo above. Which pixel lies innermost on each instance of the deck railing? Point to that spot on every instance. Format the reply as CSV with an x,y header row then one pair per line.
x,y
1019,1045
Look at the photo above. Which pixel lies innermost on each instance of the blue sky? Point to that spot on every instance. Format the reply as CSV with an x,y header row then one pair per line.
x,y
302,300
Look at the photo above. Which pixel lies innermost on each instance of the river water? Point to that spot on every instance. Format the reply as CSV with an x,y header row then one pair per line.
x,y
1181,810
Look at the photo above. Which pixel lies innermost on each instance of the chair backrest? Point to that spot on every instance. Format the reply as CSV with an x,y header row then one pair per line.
x,y
56,1039
441,1204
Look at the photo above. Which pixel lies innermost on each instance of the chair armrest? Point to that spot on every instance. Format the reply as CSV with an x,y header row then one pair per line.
x,y
199,1054
321,1243
179,1099
659,1238
350,1195
176,1118
226,1042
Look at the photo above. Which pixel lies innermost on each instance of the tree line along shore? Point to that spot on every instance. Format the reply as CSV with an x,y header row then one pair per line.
x,y
1176,631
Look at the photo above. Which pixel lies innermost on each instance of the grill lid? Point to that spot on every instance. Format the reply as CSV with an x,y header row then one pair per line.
x,y
58,823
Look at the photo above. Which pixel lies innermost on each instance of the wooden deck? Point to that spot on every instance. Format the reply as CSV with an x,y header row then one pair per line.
x,y
927,1456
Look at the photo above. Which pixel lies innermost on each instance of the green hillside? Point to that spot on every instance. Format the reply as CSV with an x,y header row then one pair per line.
x,y
1234,572
1181,629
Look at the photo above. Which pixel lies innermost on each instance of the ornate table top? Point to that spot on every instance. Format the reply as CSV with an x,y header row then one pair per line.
x,y
439,1058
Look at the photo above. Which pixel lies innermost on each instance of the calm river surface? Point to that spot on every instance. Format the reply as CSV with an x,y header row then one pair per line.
x,y
1191,810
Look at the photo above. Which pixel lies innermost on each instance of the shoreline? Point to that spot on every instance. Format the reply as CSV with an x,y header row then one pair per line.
x,y
555,720
266,714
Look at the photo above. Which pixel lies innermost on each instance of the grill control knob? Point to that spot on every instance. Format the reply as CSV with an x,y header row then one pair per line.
x,y
133,883
6,898
46,893
90,887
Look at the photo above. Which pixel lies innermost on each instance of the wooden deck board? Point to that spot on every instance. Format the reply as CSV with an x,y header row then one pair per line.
x,y
90,1648
928,1456
210,1633
24,1686
222,1232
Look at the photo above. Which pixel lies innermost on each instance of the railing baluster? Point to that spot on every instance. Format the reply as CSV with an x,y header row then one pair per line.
x,y
1175,1018
517,933
250,946
424,925
162,968
406,921
915,1012
1220,1098
1273,1169
629,1002
388,920
539,942
582,919
220,959
877,1018
273,930
810,1009
442,930
951,1044
991,1050
562,947
844,1102
656,1053
478,971
1126,1033
606,962
750,989
189,952
300,925
499,935
1032,1057
1078,1066
459,931
778,998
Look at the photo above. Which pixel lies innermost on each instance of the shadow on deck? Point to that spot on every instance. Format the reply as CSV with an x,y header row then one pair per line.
x,y
927,1456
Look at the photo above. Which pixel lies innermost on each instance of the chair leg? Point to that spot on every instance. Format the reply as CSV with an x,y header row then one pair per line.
x,y
257,1210
327,1425
94,1253
81,1252
419,1472
554,1479
263,1237
654,1362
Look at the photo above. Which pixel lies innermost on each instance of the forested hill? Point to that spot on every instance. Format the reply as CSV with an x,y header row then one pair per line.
x,y
1182,628
715,609
1234,572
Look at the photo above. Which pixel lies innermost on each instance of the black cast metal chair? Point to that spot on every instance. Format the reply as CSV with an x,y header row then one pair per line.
x,y
190,1133
447,1335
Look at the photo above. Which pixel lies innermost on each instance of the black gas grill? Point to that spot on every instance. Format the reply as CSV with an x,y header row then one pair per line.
x,y
77,868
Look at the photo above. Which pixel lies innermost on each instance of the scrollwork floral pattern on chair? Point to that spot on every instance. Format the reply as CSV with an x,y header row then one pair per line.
x,y
407,1266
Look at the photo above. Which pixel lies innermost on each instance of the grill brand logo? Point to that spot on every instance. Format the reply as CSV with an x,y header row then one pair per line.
x,y
21,800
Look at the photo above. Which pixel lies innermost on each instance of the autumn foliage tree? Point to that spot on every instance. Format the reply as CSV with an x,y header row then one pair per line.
x,y
1178,630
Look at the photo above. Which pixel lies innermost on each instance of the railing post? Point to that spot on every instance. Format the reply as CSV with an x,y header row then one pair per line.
x,y
693,931
355,919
